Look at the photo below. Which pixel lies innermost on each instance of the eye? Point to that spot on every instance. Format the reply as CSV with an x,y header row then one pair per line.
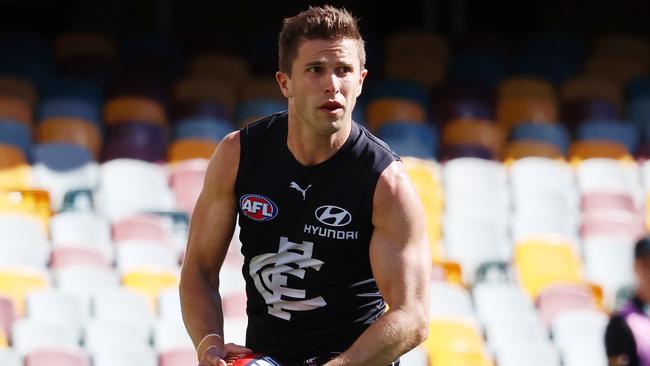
x,y
314,69
344,70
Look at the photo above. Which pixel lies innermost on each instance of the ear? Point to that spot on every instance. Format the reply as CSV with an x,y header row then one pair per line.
x,y
284,83
362,77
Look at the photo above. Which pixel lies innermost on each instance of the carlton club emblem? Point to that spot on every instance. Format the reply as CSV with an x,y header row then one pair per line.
x,y
257,207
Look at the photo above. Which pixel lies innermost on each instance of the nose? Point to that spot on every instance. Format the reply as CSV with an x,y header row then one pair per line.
x,y
332,84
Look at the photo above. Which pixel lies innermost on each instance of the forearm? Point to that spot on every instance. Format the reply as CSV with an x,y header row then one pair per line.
x,y
201,306
393,334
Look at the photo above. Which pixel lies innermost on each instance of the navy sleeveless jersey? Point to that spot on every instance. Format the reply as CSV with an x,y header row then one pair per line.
x,y
305,233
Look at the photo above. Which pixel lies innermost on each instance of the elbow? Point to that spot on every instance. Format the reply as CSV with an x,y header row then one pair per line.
x,y
422,330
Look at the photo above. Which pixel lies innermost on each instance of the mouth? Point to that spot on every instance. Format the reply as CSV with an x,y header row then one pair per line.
x,y
331,106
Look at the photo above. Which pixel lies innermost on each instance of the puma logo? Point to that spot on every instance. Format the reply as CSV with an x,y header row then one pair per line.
x,y
295,186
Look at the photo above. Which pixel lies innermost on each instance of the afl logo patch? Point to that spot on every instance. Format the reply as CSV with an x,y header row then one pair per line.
x,y
257,207
333,215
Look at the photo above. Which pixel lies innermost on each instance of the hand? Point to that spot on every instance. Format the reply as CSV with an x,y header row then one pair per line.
x,y
214,356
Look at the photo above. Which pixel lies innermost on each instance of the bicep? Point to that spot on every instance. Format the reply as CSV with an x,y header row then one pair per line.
x,y
399,253
213,218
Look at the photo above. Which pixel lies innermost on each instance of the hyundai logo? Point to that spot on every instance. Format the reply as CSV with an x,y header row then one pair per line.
x,y
333,215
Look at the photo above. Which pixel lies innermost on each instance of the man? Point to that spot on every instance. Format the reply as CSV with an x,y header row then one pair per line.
x,y
627,338
330,224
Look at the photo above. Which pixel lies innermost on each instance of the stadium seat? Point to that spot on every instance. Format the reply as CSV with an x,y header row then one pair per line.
x,y
526,86
168,336
136,254
483,133
261,88
54,305
622,132
254,109
139,357
23,242
142,226
31,334
617,69
610,175
589,149
225,68
579,330
609,263
178,357
84,281
31,203
484,68
69,108
191,148
454,342
449,108
169,305
398,89
553,134
19,88
78,44
557,299
497,303
576,113
416,56
202,127
583,88
145,189
77,255
16,134
74,228
123,306
465,151
128,108
450,301
150,282
194,91
7,317
513,110
71,131
381,111
620,43
410,139
186,180
16,109
542,263
516,150
62,167
612,222
9,357
57,357
108,336
76,89
136,140
15,172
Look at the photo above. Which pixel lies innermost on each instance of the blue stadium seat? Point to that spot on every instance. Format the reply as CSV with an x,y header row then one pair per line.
x,y
61,157
618,131
410,139
17,134
398,89
202,127
554,134
69,107
257,108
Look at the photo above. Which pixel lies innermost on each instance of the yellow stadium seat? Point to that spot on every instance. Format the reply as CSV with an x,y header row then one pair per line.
x,y
28,202
4,342
526,86
130,109
385,110
540,263
15,171
17,283
190,148
469,131
513,110
150,282
587,149
454,342
452,271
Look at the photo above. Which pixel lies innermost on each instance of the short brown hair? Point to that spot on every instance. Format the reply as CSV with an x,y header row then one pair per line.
x,y
326,22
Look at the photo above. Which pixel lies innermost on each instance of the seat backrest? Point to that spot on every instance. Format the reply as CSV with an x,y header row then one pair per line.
x,y
72,131
129,108
57,357
385,110
191,148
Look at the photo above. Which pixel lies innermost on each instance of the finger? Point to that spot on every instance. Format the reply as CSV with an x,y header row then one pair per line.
x,y
235,348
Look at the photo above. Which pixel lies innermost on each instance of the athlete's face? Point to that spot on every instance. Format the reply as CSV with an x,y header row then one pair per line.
x,y
325,81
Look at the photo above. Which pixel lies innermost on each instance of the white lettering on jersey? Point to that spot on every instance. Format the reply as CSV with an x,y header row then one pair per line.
x,y
270,272
331,233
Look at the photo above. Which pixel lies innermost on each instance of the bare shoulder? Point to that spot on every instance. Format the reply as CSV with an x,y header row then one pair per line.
x,y
395,196
224,163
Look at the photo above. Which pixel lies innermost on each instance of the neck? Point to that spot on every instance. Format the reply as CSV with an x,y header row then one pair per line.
x,y
310,148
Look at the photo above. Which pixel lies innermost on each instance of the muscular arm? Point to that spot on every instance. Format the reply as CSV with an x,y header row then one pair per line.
x,y
401,264
211,229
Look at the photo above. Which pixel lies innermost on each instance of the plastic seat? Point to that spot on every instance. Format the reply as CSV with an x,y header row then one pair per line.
x,y
169,336
130,187
223,67
254,109
529,148
150,282
31,203
576,113
409,139
144,226
73,89
261,88
80,44
557,299
610,176
178,357
9,357
78,255
57,357
588,88
465,151
135,254
474,132
579,328
512,110
61,167
15,172
201,90
7,317
73,228
123,306
69,108
450,301
186,181
398,89
496,303
191,148
136,140
618,69
16,109
72,131
169,305
610,130
483,68
24,242
589,149
19,88
54,305
553,134
84,281
202,127
30,335
539,264
453,342
612,222
526,86
609,263
417,56
381,111
108,336
15,134
137,357
126,108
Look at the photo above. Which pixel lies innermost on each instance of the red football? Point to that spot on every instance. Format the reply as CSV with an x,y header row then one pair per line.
x,y
251,360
